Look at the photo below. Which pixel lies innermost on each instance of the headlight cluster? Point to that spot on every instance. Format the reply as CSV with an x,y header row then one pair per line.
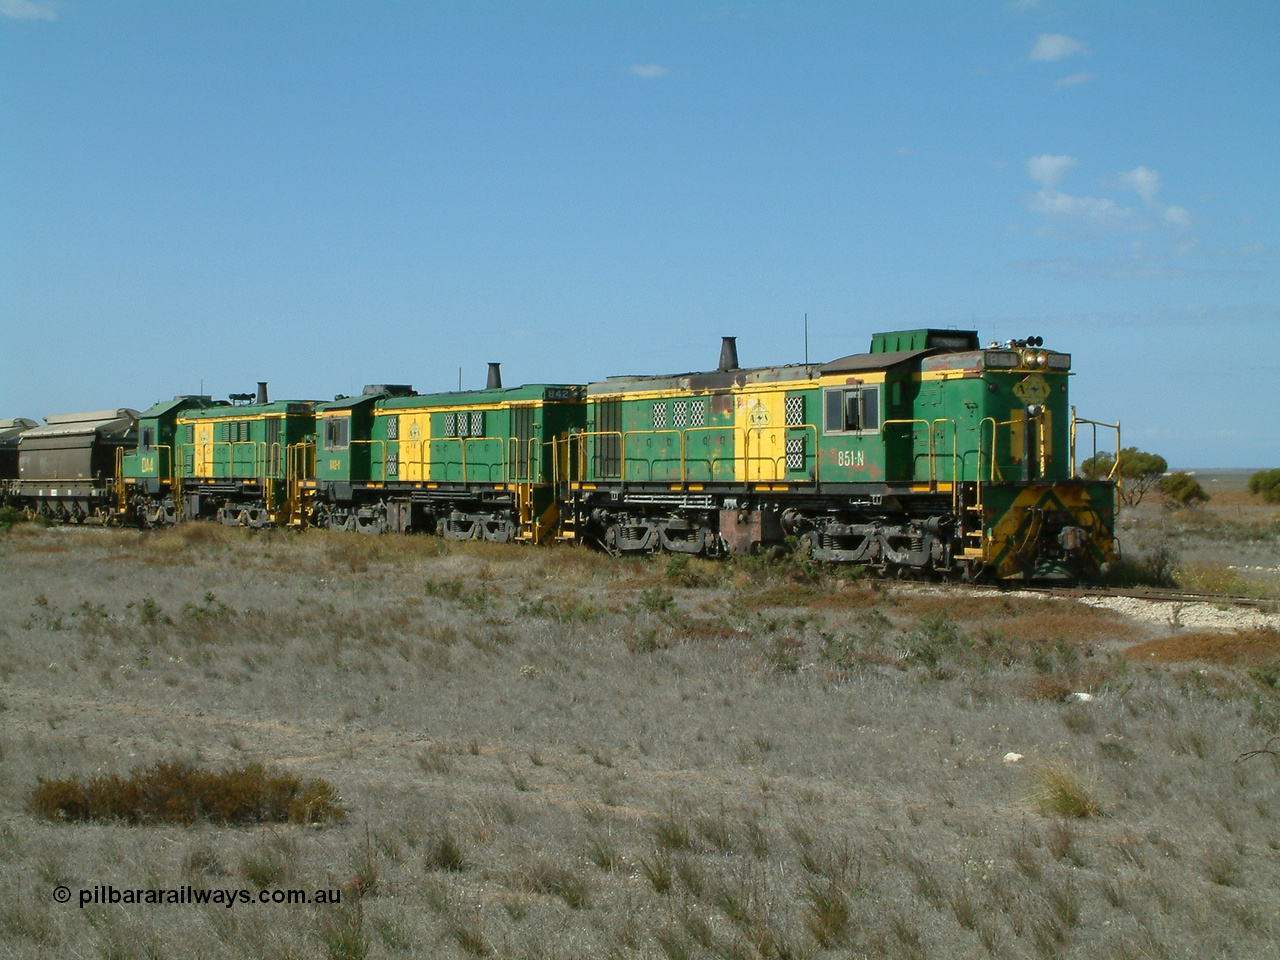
x,y
1027,358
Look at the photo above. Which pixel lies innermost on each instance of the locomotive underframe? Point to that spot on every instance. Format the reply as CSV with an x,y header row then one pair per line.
x,y
893,530
872,524
459,512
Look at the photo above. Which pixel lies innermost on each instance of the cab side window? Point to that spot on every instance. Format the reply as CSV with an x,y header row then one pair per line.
x,y
852,410
337,433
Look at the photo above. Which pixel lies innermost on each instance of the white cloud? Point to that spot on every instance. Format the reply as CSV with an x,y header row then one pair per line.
x,y
649,71
1143,181
904,151
1048,169
1083,215
27,10
1074,80
1065,216
1055,46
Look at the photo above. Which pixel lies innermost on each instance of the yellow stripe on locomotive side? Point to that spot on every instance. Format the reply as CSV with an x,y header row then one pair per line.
x,y
413,427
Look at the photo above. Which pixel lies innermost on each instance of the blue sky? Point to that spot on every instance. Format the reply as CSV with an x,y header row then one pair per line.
x,y
329,194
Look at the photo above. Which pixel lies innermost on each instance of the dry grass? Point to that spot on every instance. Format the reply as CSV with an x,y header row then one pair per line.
x,y
1247,647
1062,790
551,754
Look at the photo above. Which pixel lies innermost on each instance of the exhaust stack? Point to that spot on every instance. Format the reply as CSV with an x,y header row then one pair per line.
x,y
495,377
262,391
728,354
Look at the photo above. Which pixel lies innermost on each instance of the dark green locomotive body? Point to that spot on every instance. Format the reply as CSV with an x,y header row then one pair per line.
x,y
241,464
472,464
927,453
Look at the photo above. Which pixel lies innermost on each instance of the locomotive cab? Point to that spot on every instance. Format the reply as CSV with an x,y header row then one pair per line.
x,y
149,471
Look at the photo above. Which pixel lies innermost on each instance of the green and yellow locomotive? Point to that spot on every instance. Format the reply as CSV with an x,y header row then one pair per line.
x,y
481,464
239,462
927,453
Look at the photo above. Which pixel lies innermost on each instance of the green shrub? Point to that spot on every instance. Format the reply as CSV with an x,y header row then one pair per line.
x,y
1266,483
1267,674
1139,472
1182,490
657,600
9,516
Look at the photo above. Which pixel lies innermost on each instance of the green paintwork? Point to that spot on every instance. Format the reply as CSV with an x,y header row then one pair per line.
x,y
653,450
152,460
374,455
354,460
257,451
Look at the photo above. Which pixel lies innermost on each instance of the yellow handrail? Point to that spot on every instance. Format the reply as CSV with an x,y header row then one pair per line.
x,y
955,459
586,435
532,460
119,484
781,460
623,437
711,461
1115,466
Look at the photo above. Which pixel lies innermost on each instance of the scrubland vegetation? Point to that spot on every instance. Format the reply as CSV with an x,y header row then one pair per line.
x,y
1226,546
553,754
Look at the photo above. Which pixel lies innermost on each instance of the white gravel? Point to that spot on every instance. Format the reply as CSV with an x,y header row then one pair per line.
x,y
1192,615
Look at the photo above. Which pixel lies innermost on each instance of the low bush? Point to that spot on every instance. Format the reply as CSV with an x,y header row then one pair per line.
x,y
1266,483
1156,569
1182,490
176,792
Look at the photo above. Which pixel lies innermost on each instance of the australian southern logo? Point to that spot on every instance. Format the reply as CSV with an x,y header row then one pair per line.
x,y
759,415
1034,389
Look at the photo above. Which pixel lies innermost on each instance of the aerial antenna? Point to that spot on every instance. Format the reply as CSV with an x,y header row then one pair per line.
x,y
806,339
